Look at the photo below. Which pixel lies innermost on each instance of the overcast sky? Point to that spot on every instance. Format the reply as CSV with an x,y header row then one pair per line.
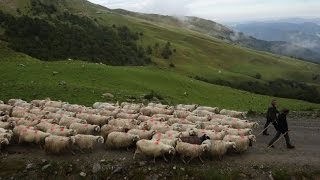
x,y
221,10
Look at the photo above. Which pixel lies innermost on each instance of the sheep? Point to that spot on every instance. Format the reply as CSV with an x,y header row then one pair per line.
x,y
243,124
51,109
158,105
38,111
55,115
239,132
191,150
143,134
219,147
121,140
23,105
158,136
87,129
39,103
127,116
193,119
210,109
201,113
164,116
189,132
51,121
164,128
7,125
104,106
32,136
129,111
218,135
181,114
3,143
12,102
156,110
67,121
178,120
21,121
147,111
242,142
58,144
187,107
19,112
113,113
144,118
45,126
73,108
170,142
2,130
62,131
1,102
201,132
34,117
124,122
153,148
17,130
184,127
4,118
135,107
107,129
87,142
55,104
216,127
90,111
94,119
66,113
6,108
231,113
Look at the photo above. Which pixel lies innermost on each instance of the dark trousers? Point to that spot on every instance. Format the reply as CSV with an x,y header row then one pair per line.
x,y
279,133
267,124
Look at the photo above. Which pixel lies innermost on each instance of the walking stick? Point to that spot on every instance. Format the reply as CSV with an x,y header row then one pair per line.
x,y
278,139
264,129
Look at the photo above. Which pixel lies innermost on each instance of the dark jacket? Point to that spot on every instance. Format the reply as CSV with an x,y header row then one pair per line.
x,y
272,113
282,123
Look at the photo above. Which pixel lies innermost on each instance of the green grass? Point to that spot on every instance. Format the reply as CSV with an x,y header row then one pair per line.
x,y
86,82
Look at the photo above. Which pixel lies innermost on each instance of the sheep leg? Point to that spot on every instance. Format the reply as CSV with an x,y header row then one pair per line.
x,y
136,152
154,159
173,156
201,159
182,158
190,160
164,157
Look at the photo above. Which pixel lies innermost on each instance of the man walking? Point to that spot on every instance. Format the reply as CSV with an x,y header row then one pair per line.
x,y
282,128
271,116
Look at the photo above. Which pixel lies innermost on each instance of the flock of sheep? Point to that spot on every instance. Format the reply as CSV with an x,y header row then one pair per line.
x,y
155,130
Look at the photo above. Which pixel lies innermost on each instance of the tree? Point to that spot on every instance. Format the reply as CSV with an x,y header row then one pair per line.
x,y
149,50
258,76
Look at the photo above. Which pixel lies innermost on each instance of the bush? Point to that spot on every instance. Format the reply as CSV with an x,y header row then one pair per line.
x,y
172,65
258,76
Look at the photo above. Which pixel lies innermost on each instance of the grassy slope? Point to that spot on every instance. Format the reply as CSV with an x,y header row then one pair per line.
x,y
197,54
86,82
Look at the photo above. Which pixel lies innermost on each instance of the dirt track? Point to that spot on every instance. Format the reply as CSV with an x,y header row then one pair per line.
x,y
257,163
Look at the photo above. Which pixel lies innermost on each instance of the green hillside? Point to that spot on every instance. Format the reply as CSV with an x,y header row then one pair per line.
x,y
84,83
197,56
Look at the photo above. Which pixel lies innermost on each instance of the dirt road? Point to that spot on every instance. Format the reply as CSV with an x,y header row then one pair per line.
x,y
259,162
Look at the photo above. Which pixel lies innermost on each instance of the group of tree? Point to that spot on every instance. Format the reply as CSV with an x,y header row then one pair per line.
x,y
70,36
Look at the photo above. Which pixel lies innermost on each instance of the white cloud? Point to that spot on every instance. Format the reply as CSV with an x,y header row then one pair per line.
x,y
221,10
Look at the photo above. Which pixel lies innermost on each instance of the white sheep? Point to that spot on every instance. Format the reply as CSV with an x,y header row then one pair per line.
x,y
210,109
218,147
6,108
121,140
101,105
181,113
38,111
87,142
123,115
135,107
19,112
123,122
62,131
184,127
107,129
158,105
94,119
191,150
232,113
179,120
239,132
67,121
4,118
87,129
45,126
32,136
158,136
58,144
164,116
153,148
50,109
147,111
243,124
56,104
156,110
144,118
39,103
186,107
143,134
12,102
7,125
193,118
73,108
242,142
113,113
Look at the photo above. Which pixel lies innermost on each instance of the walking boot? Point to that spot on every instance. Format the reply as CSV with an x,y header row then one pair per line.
x,y
289,146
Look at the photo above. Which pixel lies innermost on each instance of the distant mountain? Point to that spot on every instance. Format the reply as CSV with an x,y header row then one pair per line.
x,y
211,28
306,34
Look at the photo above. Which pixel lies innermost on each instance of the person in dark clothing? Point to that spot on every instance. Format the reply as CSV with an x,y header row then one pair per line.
x,y
282,128
271,116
